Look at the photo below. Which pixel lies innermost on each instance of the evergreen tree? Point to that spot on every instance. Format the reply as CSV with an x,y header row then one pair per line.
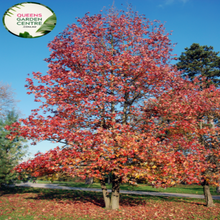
x,y
200,61
11,151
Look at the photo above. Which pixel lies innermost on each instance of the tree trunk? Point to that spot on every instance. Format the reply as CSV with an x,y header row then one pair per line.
x,y
109,179
115,192
111,202
89,180
218,187
106,194
207,194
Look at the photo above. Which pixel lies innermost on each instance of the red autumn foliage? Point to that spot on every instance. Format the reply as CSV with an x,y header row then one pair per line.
x,y
104,73
187,119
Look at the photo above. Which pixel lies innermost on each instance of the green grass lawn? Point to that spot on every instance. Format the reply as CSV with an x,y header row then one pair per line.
x,y
188,189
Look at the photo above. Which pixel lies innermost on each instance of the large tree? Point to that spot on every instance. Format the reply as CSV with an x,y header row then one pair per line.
x,y
184,116
200,61
102,71
11,151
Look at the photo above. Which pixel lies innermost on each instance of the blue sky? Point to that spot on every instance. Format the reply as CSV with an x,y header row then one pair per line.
x,y
192,21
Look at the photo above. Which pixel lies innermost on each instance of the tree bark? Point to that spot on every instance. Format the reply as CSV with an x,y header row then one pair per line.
x,y
218,187
111,201
115,192
109,179
89,180
106,194
207,194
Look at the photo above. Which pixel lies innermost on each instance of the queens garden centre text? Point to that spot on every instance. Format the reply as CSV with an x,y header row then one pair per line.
x,y
29,19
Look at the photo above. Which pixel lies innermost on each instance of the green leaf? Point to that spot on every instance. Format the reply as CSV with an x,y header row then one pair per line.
x,y
51,20
25,35
48,25
10,13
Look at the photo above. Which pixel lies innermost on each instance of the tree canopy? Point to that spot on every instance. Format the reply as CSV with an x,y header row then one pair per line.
x,y
200,61
104,72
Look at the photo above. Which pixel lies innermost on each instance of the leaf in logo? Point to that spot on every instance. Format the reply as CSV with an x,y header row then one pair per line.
x,y
25,35
48,25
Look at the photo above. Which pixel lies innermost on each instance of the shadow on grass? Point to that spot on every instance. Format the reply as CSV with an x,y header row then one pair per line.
x,y
66,196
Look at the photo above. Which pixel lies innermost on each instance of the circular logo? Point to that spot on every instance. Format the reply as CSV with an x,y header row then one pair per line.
x,y
29,20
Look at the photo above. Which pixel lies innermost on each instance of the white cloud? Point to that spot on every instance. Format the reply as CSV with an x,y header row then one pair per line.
x,y
184,1
170,2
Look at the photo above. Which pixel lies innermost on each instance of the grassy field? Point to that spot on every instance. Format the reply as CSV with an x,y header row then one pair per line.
x,y
34,203
189,189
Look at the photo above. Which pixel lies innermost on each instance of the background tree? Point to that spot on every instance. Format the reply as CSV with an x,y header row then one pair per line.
x,y
7,100
184,118
200,61
11,151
